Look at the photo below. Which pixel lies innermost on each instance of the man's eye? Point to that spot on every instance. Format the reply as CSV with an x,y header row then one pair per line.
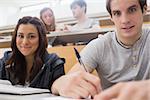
x,y
131,10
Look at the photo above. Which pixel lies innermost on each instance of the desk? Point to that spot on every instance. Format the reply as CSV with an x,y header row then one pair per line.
x,y
45,96
24,97
10,92
5,41
77,36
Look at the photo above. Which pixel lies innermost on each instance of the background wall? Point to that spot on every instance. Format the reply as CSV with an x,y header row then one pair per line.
x,y
12,10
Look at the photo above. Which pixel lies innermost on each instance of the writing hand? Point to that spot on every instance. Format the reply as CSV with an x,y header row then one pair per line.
x,y
77,85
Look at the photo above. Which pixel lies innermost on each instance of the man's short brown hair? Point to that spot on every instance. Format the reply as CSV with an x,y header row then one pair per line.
x,y
108,5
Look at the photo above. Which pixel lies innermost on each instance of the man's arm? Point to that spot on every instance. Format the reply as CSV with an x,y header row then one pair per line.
x,y
127,91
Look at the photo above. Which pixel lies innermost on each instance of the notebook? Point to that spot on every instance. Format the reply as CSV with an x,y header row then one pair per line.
x,y
7,88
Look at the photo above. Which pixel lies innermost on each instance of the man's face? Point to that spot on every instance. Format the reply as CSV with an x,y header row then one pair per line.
x,y
127,17
77,11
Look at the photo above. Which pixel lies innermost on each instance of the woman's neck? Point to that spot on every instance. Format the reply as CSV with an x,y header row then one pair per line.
x,y
29,60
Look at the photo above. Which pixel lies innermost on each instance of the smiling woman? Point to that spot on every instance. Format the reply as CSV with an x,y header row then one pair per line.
x,y
27,39
29,63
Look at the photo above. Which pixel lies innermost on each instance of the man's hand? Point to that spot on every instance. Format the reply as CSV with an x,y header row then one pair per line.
x,y
127,91
77,85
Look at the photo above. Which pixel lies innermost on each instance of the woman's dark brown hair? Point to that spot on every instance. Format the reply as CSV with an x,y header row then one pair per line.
x,y
51,27
17,59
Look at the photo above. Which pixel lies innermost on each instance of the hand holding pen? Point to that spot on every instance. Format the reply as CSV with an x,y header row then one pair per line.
x,y
81,63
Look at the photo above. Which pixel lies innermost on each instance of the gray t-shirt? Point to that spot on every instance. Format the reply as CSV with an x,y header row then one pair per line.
x,y
89,23
113,62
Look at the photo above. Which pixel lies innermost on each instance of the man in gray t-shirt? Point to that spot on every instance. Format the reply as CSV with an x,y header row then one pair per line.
x,y
116,62
120,56
79,9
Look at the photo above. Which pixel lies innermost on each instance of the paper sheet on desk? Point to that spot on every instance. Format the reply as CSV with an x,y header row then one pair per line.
x,y
57,98
9,89
60,98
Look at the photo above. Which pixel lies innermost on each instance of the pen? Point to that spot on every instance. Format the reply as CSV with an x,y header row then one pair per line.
x,y
81,63
79,59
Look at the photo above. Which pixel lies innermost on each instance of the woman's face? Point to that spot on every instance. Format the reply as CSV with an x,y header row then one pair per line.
x,y
47,17
27,39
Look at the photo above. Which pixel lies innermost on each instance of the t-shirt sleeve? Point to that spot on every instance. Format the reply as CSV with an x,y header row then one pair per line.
x,y
91,55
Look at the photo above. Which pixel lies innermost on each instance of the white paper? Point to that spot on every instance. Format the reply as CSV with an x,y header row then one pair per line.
x,y
10,89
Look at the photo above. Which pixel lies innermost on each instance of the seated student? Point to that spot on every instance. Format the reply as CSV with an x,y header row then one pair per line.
x,y
48,18
119,56
29,63
79,8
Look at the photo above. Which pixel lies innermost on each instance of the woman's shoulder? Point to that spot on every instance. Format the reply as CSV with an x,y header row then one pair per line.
x,y
53,58
7,55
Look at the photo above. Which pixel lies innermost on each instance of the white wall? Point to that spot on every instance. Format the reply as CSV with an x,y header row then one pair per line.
x,y
9,14
93,6
61,10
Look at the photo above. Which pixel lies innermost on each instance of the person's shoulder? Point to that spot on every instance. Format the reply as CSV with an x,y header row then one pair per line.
x,y
7,55
101,41
53,58
146,30
5,58
105,39
107,36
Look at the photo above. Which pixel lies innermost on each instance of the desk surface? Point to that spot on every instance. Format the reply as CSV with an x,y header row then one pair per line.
x,y
85,31
5,41
10,92
45,96
83,36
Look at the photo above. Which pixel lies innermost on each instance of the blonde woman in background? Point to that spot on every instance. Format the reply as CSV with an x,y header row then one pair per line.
x,y
48,18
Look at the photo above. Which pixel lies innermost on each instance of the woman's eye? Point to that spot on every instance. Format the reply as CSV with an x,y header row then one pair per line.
x,y
20,36
117,13
31,36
